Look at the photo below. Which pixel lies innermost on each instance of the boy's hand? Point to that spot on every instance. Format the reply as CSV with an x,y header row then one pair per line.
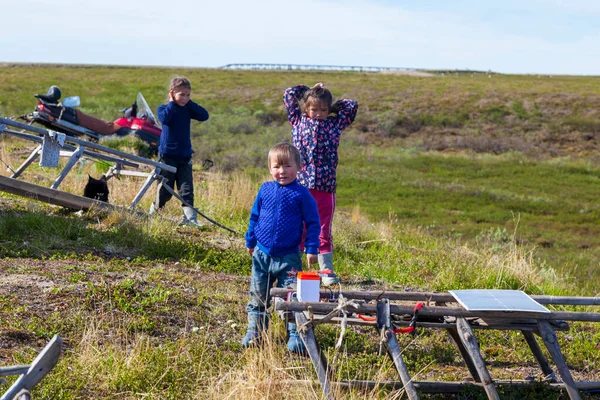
x,y
250,251
312,259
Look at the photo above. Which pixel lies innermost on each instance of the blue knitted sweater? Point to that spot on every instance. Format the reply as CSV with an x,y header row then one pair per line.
x,y
278,218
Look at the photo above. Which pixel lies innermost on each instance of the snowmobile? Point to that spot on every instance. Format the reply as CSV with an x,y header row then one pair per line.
x,y
64,117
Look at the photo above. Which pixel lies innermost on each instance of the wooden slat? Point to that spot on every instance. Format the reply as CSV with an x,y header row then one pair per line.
x,y
539,356
447,325
438,297
451,387
317,357
553,347
47,195
393,348
432,311
467,337
388,338
453,332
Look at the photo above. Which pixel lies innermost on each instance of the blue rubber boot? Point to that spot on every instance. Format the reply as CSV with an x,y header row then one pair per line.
x,y
295,344
257,324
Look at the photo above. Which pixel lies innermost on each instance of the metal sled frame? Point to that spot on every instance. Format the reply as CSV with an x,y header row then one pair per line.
x,y
75,148
31,374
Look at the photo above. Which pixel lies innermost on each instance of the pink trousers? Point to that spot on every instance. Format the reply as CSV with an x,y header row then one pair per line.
x,y
326,205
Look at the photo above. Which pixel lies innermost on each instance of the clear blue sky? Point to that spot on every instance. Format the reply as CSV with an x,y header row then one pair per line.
x,y
508,36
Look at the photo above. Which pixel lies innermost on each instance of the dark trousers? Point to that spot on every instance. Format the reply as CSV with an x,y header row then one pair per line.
x,y
183,178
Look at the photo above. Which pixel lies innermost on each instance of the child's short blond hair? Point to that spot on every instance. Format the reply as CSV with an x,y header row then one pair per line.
x,y
180,82
283,153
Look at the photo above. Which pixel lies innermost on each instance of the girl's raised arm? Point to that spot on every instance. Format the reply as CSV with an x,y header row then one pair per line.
x,y
197,112
346,112
291,100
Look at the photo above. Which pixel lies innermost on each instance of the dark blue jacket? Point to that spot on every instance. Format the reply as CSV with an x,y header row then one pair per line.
x,y
175,139
278,218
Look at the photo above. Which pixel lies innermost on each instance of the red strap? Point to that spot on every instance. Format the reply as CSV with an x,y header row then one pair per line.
x,y
365,318
413,322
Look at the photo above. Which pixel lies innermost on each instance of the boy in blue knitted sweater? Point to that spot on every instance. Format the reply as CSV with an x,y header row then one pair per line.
x,y
281,209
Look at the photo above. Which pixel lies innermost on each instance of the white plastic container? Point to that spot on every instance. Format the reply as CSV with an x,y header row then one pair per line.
x,y
309,284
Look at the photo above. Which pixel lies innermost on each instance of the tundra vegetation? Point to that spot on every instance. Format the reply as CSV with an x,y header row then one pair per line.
x,y
452,181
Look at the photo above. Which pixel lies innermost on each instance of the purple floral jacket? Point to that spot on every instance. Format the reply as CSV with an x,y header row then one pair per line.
x,y
316,140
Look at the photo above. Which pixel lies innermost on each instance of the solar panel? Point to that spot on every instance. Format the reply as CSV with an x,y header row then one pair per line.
x,y
497,300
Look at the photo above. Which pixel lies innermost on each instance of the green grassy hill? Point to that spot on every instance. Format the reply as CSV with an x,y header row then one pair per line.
x,y
445,182
459,155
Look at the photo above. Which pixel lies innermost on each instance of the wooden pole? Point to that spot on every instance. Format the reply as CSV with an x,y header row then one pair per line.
x,y
453,332
447,325
57,197
467,337
433,311
537,352
553,347
317,357
449,387
388,338
438,297
393,348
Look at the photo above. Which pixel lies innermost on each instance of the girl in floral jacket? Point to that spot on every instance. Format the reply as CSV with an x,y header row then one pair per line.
x,y
316,134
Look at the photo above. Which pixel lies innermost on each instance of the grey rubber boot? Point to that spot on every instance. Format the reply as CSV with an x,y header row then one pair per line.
x,y
257,325
190,217
326,263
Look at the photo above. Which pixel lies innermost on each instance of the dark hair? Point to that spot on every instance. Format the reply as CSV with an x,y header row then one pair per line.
x,y
284,152
319,94
180,82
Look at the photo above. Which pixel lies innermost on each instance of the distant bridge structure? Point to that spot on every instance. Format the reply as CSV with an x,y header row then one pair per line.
x,y
313,67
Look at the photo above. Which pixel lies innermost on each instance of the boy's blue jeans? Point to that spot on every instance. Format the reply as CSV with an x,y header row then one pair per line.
x,y
265,271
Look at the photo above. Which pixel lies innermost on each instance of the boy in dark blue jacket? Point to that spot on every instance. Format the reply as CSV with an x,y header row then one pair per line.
x,y
175,148
281,210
